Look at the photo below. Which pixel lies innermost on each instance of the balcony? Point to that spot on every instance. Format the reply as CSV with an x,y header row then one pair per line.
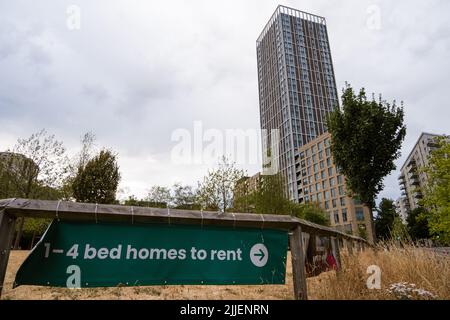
x,y
432,144
417,195
411,166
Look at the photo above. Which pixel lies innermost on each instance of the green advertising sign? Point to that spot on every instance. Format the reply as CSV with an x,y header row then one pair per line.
x,y
73,254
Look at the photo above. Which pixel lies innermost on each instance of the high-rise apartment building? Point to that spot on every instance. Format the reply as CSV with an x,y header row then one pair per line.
x,y
412,180
401,209
297,87
319,181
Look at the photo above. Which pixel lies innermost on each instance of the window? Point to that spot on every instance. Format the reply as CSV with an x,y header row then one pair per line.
x,y
328,152
322,175
336,217
334,202
317,187
316,168
327,205
340,179
319,197
333,193
342,202
341,191
328,162
332,182
322,165
326,195
344,215
359,214
330,171
320,154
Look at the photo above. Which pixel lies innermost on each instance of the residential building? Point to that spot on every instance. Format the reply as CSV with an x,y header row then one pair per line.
x,y
401,209
297,87
412,179
245,187
319,181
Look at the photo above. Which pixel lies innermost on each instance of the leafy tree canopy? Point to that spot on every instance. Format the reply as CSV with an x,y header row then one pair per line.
x,y
384,222
437,194
98,180
366,137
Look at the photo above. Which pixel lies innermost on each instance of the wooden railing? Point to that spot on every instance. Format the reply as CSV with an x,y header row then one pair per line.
x,y
11,209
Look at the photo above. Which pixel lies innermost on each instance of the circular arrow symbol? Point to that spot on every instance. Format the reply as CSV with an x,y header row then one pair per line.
x,y
259,255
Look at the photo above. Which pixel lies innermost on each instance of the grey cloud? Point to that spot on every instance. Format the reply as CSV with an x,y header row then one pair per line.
x,y
95,91
136,71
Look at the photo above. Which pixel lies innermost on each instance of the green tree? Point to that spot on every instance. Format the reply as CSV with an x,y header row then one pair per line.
x,y
310,212
417,223
98,180
133,201
366,137
33,169
243,196
215,192
270,197
384,222
437,193
184,197
159,196
78,162
399,230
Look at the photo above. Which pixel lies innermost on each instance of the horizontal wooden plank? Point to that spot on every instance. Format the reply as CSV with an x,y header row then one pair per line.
x,y
68,210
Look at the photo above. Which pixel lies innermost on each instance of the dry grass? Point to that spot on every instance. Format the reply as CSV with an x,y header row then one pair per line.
x,y
426,269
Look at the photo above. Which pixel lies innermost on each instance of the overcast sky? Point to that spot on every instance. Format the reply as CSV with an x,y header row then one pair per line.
x,y
136,71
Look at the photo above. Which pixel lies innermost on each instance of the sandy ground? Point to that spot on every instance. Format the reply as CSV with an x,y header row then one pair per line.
x,y
148,293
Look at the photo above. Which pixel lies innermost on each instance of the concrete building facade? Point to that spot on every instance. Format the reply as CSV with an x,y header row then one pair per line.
x,y
400,208
319,181
412,180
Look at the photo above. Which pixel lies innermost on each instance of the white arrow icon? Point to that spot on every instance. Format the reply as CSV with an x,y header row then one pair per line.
x,y
259,255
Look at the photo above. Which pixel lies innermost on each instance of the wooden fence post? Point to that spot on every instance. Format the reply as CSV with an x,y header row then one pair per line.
x,y
350,247
337,253
6,237
298,264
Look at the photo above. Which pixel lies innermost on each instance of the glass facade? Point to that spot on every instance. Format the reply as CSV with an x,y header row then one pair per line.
x,y
296,85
